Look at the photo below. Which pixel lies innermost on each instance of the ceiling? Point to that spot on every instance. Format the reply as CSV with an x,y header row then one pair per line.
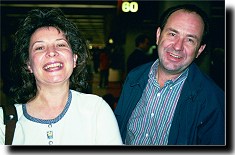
x,y
98,20
92,18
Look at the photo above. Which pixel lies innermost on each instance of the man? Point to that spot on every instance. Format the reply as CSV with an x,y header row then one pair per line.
x,y
139,55
104,68
170,101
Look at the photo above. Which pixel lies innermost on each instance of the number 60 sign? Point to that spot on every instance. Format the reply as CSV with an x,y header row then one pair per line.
x,y
129,6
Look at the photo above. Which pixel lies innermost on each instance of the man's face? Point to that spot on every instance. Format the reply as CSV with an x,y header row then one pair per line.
x,y
179,41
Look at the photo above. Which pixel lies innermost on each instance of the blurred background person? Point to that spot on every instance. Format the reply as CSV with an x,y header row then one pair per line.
x,y
104,64
140,55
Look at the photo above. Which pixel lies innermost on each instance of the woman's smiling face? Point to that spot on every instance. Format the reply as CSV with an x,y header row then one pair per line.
x,y
51,59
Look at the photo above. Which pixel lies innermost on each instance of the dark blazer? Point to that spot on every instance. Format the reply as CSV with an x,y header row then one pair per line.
x,y
199,117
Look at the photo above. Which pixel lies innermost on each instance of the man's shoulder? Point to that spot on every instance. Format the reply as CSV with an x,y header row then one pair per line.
x,y
198,78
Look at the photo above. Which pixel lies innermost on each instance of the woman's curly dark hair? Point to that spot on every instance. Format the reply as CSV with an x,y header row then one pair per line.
x,y
24,84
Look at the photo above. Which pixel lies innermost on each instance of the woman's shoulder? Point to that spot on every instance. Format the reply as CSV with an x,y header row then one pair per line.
x,y
86,98
88,101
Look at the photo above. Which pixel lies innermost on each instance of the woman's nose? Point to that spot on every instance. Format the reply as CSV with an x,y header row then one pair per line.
x,y
51,52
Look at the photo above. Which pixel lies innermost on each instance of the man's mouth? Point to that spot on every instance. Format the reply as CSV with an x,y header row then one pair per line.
x,y
175,56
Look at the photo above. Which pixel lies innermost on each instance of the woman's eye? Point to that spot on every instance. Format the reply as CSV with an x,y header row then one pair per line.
x,y
39,48
61,45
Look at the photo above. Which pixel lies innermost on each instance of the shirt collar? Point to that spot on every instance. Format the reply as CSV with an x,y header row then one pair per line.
x,y
153,73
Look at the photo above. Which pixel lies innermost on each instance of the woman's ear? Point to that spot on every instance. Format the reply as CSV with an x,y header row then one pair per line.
x,y
29,67
75,57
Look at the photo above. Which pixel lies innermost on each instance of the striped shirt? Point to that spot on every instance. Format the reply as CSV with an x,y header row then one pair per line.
x,y
151,119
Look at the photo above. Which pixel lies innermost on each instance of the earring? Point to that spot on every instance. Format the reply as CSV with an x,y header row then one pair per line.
x,y
30,70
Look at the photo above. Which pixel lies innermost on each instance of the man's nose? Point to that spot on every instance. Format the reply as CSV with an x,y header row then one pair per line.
x,y
178,45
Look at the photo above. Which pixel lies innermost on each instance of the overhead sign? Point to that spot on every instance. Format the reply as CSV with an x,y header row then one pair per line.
x,y
129,6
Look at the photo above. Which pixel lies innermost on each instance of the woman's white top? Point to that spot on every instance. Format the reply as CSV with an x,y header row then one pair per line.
x,y
86,120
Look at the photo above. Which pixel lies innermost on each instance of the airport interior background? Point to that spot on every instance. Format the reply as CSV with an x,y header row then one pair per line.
x,y
114,25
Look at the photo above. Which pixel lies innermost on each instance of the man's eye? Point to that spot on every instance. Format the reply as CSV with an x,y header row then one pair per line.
x,y
171,34
191,41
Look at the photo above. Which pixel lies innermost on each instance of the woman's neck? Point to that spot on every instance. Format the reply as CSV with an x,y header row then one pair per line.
x,y
48,103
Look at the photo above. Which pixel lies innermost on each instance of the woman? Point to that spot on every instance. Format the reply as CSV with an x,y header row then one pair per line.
x,y
49,64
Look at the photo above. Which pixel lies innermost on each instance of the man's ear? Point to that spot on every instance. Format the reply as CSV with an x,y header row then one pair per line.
x,y
202,47
158,33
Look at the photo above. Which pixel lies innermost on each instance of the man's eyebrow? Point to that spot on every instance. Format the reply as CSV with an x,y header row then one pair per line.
x,y
171,29
188,35
193,36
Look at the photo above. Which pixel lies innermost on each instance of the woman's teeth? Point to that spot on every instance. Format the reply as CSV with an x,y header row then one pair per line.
x,y
53,66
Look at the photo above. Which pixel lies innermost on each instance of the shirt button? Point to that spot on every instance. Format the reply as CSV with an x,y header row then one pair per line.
x,y
152,114
49,125
146,135
158,94
170,88
50,142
